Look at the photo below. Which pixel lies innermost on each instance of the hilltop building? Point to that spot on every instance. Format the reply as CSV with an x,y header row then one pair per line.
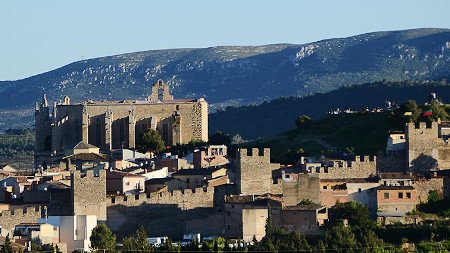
x,y
117,124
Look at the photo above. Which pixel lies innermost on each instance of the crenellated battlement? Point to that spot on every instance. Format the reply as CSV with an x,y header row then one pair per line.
x,y
90,174
360,167
419,128
188,198
10,218
20,212
254,152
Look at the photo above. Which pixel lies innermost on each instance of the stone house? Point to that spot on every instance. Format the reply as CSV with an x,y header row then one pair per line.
x,y
396,142
395,200
124,183
395,179
306,219
210,156
195,178
245,217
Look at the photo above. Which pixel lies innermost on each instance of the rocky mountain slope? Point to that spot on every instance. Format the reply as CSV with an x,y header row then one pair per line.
x,y
235,75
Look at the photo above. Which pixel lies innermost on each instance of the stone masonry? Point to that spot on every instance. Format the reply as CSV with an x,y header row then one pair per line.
x,y
9,219
116,124
254,171
88,194
427,141
359,168
302,186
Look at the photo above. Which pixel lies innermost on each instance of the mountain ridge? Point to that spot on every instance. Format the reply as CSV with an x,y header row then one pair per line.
x,y
240,75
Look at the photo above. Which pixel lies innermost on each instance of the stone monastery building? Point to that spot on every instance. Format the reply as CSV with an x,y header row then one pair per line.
x,y
116,124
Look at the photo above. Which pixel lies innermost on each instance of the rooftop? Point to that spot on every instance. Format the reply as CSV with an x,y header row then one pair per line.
x,y
384,187
191,172
394,175
303,207
84,145
87,157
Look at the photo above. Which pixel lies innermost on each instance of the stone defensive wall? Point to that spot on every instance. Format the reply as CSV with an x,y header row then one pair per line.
x,y
359,168
9,219
425,185
184,199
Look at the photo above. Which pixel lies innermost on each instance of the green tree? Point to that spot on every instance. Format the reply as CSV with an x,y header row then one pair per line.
x,y
137,242
433,196
438,110
356,213
102,238
411,106
219,138
7,246
150,140
341,239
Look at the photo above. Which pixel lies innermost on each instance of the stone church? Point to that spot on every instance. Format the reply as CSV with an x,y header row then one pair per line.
x,y
116,124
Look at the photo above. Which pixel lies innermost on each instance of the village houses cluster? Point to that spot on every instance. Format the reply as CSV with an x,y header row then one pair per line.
x,y
89,172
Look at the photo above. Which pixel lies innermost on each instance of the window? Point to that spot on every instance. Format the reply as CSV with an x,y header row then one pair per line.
x,y
408,195
359,189
324,187
400,195
127,182
386,195
287,176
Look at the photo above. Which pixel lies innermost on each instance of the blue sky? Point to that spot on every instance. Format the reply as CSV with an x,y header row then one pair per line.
x,y
38,36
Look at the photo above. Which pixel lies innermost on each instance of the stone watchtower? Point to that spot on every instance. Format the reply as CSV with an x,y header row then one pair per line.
x,y
422,139
43,132
88,194
160,92
254,171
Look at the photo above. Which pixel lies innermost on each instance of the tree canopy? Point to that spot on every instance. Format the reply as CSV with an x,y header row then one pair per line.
x,y
103,238
150,140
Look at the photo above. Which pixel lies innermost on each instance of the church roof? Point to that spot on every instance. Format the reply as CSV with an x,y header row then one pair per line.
x,y
83,145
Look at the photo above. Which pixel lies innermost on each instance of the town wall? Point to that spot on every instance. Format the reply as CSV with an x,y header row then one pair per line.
x,y
254,171
423,187
361,167
185,199
88,194
9,219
